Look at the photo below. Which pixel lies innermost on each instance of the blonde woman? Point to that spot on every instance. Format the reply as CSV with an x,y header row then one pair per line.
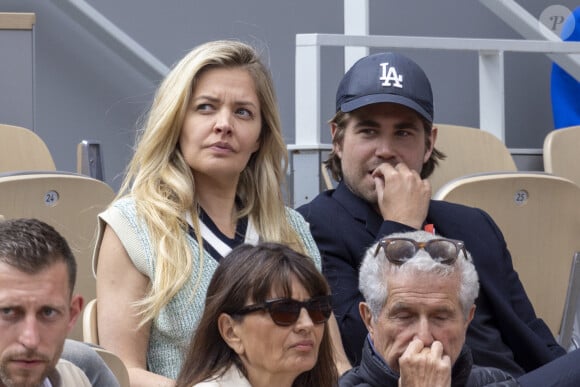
x,y
205,177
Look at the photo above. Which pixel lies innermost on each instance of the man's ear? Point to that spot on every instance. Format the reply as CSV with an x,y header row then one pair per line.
x,y
367,316
76,305
432,140
336,147
229,329
470,315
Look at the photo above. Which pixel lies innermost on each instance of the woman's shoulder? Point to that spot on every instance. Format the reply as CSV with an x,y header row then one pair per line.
x,y
299,224
123,207
121,213
231,378
302,228
124,204
294,217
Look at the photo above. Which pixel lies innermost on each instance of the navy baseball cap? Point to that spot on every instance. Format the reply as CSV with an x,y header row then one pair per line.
x,y
385,77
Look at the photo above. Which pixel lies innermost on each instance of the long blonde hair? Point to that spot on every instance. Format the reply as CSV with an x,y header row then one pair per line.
x,y
162,184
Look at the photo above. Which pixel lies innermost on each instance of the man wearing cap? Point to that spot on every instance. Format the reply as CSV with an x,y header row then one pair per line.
x,y
383,151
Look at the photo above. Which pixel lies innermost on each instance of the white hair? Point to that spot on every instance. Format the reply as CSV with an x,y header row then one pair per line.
x,y
374,272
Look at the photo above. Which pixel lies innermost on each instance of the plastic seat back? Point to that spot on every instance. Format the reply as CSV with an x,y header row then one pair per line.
x,y
68,202
468,151
561,154
539,215
23,150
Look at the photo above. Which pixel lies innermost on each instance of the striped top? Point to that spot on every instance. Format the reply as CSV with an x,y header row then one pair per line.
x,y
172,329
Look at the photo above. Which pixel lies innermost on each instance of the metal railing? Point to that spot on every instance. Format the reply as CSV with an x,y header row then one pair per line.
x,y
308,89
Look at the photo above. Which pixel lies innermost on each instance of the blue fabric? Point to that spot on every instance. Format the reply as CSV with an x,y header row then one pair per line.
x,y
344,226
89,361
374,371
562,372
565,89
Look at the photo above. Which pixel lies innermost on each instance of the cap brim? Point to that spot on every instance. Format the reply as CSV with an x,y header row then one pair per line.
x,y
378,98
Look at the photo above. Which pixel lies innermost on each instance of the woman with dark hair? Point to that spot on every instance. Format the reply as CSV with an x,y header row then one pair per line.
x,y
264,323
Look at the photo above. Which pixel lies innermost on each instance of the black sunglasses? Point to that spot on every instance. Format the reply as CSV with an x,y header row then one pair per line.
x,y
442,250
285,311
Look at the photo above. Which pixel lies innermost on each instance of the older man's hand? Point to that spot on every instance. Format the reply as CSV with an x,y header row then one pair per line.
x,y
422,366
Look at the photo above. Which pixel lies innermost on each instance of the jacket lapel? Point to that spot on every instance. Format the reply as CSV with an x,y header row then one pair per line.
x,y
358,208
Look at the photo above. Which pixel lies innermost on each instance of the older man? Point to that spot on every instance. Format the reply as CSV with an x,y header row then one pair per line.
x,y
420,292
37,306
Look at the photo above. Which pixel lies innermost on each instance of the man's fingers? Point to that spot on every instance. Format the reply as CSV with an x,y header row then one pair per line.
x,y
424,366
383,169
415,346
437,349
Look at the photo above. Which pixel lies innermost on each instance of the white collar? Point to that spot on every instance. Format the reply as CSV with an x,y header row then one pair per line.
x,y
223,249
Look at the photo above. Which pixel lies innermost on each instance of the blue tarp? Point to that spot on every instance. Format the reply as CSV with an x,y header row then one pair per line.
x,y
565,89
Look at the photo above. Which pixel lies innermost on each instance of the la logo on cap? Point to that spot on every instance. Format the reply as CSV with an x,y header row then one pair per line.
x,y
390,77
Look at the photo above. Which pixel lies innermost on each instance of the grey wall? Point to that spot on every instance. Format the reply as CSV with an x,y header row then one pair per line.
x,y
85,91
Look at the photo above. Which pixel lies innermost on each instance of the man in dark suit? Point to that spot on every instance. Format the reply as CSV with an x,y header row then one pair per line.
x,y
383,151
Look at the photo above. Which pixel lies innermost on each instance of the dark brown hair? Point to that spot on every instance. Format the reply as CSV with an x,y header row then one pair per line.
x,y
333,162
31,246
253,272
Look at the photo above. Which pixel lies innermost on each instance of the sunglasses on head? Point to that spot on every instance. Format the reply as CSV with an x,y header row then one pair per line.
x,y
285,311
442,250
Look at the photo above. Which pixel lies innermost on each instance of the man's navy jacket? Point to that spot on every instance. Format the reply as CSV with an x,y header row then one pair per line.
x,y
344,226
